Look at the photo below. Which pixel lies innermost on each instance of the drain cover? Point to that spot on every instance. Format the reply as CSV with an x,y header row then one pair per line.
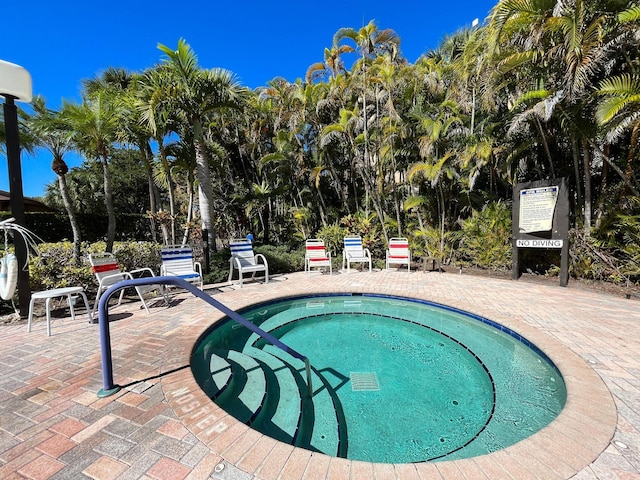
x,y
364,381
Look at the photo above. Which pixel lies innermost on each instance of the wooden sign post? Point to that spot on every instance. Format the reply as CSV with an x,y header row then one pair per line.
x,y
541,220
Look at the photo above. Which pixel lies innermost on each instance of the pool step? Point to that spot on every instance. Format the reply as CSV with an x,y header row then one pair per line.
x,y
319,428
281,412
216,375
245,394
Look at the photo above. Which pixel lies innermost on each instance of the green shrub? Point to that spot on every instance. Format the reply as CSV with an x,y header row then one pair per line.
x,y
281,259
333,236
486,238
218,267
55,266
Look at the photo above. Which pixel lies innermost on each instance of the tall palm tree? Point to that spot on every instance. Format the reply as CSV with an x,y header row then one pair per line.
x,y
50,132
158,114
198,94
370,43
124,89
94,125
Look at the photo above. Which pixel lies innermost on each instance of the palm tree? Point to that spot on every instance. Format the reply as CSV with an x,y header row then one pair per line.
x,y
619,107
94,125
198,94
332,65
157,112
50,132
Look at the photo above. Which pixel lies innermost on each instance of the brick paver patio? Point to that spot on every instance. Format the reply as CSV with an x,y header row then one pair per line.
x,y
161,426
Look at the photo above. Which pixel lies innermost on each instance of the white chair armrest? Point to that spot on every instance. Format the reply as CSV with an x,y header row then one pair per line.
x,y
197,267
142,270
259,256
120,276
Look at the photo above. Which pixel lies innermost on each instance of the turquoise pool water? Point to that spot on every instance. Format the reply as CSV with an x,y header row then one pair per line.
x,y
397,380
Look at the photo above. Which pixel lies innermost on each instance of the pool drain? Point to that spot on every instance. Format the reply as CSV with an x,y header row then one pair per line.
x,y
364,381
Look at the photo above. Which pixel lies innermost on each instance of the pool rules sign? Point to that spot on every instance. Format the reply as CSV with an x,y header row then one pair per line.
x,y
541,220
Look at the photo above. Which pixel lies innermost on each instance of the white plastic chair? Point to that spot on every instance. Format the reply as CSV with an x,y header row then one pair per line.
x,y
177,260
354,252
398,253
107,271
316,256
245,261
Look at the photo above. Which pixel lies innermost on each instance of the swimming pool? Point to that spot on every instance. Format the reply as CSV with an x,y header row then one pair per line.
x,y
394,380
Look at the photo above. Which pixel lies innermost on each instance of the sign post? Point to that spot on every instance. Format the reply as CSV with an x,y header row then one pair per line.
x,y
541,220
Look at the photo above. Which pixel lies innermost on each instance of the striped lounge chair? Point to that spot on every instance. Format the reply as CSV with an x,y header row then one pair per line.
x,y
177,260
245,261
354,252
107,271
398,253
316,256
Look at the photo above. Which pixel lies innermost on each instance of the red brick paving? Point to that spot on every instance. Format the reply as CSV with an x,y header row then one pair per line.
x,y
51,417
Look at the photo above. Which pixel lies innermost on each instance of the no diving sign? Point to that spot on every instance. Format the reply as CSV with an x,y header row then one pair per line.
x,y
522,243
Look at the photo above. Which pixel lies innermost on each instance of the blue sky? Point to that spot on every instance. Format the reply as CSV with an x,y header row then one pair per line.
x,y
60,43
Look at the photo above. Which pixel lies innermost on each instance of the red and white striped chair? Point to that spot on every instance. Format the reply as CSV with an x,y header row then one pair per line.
x,y
316,255
398,253
107,271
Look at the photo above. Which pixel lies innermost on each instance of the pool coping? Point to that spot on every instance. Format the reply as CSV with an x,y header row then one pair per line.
x,y
571,442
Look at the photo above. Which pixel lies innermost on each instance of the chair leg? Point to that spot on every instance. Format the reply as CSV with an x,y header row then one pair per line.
x,y
95,305
30,314
86,305
48,309
71,309
142,300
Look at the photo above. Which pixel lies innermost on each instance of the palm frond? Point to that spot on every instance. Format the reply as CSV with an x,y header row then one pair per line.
x,y
630,15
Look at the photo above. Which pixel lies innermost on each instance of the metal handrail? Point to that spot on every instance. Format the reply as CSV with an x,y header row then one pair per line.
x,y
109,387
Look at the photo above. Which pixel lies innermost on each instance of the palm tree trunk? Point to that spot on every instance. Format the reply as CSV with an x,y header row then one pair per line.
x,y
205,188
586,159
576,167
147,155
603,189
628,182
170,191
546,147
73,219
190,195
370,190
108,200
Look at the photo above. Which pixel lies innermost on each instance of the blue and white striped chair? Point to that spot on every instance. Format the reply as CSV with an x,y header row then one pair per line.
x,y
177,261
245,261
354,252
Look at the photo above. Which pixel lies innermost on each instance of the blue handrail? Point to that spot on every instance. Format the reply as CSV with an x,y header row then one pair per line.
x,y
109,387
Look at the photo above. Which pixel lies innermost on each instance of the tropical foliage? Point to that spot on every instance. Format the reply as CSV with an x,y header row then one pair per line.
x,y
370,142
